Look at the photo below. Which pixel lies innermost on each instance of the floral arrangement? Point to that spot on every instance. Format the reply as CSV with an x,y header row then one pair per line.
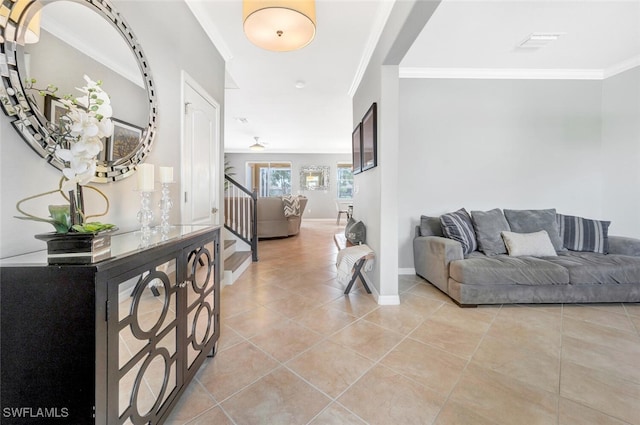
x,y
78,138
80,130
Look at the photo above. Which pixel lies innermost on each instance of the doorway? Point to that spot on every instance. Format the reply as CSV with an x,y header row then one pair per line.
x,y
200,154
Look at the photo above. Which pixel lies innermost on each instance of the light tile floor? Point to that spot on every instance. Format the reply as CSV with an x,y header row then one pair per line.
x,y
295,350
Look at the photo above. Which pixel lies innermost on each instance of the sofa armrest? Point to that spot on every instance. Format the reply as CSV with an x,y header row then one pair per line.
x,y
624,245
432,255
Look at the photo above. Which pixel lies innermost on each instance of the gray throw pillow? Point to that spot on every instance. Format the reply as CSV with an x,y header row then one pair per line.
x,y
530,221
350,223
356,233
430,226
457,226
583,234
488,225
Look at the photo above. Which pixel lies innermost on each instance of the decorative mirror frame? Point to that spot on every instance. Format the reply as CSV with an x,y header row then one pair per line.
x,y
324,170
30,122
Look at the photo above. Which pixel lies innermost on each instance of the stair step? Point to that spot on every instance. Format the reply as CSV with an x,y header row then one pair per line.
x,y
236,260
228,243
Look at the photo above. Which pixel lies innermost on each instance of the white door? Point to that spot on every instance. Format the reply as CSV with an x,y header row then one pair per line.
x,y
200,153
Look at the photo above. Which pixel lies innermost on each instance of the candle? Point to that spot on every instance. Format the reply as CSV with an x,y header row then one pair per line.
x,y
145,177
166,174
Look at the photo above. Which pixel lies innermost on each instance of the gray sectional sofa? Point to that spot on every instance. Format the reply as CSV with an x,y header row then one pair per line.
x,y
577,263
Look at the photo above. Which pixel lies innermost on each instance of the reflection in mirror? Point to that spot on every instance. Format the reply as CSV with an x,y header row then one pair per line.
x,y
314,177
78,38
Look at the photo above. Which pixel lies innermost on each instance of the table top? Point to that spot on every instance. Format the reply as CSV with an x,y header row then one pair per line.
x,y
122,244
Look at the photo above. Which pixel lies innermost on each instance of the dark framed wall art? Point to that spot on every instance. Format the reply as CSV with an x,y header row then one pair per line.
x,y
54,109
370,138
124,141
365,141
356,151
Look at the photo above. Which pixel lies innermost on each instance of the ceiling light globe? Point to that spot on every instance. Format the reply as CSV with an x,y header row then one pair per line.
x,y
280,26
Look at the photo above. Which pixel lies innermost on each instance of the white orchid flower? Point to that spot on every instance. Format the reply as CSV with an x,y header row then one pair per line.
x,y
90,83
105,127
64,154
83,124
82,128
80,171
87,148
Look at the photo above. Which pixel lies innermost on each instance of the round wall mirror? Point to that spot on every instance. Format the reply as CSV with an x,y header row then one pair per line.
x,y
76,38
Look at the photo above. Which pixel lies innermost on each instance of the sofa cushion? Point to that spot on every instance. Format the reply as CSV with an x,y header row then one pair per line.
x,y
529,221
535,244
594,268
480,269
430,226
488,225
457,226
582,234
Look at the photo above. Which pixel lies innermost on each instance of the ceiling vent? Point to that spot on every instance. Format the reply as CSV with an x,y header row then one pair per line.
x,y
538,40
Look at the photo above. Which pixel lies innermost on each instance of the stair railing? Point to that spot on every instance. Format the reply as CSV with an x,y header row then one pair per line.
x,y
241,213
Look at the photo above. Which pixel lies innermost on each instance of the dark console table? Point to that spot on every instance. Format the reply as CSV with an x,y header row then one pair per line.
x,y
114,342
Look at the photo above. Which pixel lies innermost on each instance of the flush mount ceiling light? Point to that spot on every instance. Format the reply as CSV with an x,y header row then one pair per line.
x,y
537,40
256,146
280,26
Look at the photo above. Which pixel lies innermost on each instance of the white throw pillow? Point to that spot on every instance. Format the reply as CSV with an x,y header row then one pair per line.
x,y
537,244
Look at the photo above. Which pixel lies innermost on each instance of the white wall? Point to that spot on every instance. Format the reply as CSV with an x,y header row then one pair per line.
x,y
621,158
321,203
172,41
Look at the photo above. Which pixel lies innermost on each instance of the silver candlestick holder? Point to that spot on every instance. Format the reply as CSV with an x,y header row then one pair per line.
x,y
165,205
145,215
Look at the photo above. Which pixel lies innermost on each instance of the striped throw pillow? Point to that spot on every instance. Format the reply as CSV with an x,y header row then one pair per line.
x,y
583,234
457,226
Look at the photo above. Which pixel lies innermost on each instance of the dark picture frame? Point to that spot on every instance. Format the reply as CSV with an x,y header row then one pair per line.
x,y
370,138
54,109
356,149
125,140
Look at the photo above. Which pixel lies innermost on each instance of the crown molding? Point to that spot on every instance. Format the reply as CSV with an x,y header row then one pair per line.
x,y
200,13
622,67
372,41
503,73
520,74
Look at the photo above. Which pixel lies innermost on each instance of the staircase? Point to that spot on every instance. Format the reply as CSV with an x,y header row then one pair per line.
x,y
235,262
241,230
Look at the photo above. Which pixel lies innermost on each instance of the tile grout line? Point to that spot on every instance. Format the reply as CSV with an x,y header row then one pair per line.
x,y
448,396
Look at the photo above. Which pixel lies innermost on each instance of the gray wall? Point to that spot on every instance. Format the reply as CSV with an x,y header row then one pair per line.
x,y
173,41
482,144
321,204
376,190
621,146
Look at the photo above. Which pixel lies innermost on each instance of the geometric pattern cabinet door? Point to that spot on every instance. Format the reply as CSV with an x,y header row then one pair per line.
x,y
166,325
202,306
147,328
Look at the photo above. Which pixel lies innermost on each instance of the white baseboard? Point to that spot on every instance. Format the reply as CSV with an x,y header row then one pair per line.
x,y
407,270
388,299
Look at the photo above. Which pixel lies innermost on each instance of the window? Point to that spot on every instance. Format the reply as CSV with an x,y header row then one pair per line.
x,y
345,181
270,178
